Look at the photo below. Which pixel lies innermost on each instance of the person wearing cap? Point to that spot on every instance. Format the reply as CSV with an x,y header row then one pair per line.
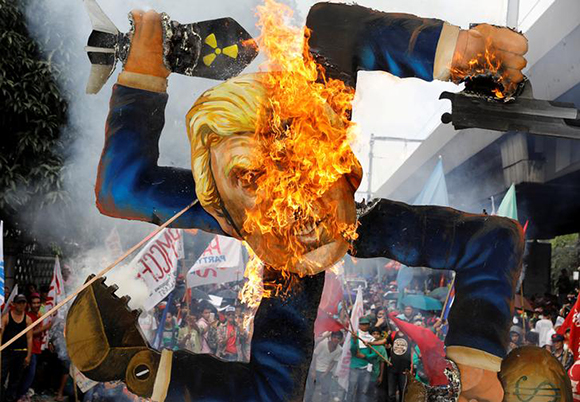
x,y
17,356
229,337
360,375
564,356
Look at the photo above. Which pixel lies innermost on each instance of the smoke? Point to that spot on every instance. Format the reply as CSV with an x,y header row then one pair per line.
x,y
61,28
92,261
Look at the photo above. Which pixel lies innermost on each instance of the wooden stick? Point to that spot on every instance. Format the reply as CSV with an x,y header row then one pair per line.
x,y
99,275
523,309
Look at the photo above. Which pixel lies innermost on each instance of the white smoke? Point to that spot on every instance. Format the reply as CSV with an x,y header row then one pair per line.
x,y
94,260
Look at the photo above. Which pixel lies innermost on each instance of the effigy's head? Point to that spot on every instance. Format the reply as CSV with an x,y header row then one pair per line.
x,y
280,177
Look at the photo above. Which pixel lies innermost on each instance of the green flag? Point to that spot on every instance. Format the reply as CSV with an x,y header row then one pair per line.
x,y
509,207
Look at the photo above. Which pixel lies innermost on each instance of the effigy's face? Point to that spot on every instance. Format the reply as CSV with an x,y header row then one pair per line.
x,y
307,240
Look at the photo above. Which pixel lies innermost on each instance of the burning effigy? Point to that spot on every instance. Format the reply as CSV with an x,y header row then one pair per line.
x,y
271,164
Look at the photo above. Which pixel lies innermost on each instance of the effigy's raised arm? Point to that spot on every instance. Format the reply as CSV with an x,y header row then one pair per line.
x,y
130,183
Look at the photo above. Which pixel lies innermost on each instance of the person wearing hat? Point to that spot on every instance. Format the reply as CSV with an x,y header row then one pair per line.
x,y
360,376
230,337
515,338
17,356
564,356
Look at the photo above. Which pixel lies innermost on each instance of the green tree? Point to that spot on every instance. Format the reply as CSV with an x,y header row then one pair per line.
x,y
32,113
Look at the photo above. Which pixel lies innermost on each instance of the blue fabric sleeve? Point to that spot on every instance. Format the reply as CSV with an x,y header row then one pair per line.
x,y
484,251
130,184
348,38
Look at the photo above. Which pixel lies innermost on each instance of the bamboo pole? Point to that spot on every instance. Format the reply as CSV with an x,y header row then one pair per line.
x,y
99,275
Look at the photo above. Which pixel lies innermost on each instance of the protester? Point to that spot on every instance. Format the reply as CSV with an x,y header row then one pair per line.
x,y
377,359
400,346
205,326
408,314
170,331
360,376
148,325
515,338
16,358
38,336
325,357
543,327
230,337
189,337
564,356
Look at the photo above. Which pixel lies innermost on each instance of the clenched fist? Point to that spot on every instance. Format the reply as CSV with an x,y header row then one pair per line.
x,y
487,48
146,52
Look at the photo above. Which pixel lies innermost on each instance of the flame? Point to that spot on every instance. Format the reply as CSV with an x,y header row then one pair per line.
x,y
253,289
486,63
304,135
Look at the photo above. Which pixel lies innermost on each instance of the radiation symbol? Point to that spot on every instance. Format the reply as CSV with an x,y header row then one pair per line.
x,y
230,51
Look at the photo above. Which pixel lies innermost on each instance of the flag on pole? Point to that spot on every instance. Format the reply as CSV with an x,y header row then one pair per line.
x,y
56,290
509,206
2,295
343,367
572,322
431,347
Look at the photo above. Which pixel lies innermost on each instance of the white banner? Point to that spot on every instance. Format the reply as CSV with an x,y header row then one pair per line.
x,y
56,292
221,262
343,367
156,265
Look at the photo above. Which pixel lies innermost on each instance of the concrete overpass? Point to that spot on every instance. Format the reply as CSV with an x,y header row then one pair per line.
x,y
482,164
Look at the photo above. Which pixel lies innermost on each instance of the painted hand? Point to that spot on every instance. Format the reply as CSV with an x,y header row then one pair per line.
x,y
486,48
146,53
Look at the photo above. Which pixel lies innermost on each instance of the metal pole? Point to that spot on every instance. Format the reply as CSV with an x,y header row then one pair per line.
x,y
375,138
370,175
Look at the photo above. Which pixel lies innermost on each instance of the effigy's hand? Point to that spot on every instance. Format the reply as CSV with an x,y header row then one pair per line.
x,y
490,49
479,385
146,52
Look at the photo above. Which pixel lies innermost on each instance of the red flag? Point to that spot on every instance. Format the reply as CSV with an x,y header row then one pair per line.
x,y
328,307
572,321
431,347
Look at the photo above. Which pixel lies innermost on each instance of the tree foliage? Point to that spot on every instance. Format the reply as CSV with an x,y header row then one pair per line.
x,y
32,113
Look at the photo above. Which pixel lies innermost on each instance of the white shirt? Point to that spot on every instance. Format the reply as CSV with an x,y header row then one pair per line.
x,y
324,357
543,327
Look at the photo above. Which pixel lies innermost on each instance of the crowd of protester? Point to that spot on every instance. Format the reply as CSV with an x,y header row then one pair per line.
x,y
381,354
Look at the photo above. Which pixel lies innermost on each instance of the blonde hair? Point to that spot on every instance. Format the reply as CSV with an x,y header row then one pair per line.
x,y
230,108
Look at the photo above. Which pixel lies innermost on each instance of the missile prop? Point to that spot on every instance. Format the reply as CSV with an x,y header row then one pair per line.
x,y
476,107
217,49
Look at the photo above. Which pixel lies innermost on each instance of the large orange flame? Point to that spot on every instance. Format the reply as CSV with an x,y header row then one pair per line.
x,y
486,63
303,134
